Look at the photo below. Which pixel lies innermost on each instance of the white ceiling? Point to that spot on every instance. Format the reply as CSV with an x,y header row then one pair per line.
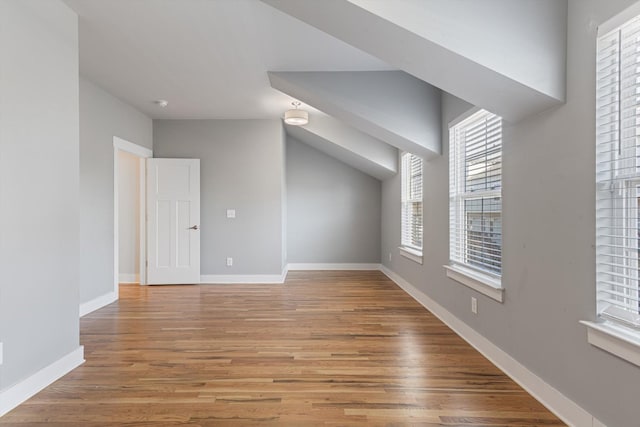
x,y
208,58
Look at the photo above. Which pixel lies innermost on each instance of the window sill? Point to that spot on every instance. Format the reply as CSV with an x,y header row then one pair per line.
x,y
614,339
482,283
412,254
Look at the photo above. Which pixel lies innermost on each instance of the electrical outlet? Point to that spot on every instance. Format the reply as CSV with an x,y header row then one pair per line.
x,y
474,305
231,213
229,262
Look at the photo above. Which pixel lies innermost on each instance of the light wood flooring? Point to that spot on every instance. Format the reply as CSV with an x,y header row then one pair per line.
x,y
325,348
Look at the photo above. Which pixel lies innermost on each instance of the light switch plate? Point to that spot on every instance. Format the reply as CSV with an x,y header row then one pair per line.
x,y
1,353
231,213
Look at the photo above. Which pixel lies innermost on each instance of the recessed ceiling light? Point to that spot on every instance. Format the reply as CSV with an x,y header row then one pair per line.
x,y
161,103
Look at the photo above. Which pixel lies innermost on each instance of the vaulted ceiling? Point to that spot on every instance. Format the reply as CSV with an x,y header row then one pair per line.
x,y
374,67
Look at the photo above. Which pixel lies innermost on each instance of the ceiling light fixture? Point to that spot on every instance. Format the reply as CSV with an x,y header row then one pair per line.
x,y
161,103
296,117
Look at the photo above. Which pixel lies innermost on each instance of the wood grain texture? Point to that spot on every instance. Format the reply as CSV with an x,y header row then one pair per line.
x,y
325,348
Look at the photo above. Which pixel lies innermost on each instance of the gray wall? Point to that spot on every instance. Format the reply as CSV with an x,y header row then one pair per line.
x,y
128,216
102,117
548,254
242,168
522,39
333,209
38,186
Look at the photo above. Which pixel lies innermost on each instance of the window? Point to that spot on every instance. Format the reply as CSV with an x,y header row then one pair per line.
x,y
411,174
618,175
475,195
618,188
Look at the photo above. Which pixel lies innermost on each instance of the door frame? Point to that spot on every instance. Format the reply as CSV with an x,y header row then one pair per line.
x,y
142,153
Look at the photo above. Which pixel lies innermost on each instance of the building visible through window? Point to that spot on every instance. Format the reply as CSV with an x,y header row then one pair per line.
x,y
411,198
475,193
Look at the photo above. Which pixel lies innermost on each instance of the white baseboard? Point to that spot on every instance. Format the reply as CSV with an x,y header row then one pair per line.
x,y
18,393
566,409
129,278
206,279
333,266
96,303
215,279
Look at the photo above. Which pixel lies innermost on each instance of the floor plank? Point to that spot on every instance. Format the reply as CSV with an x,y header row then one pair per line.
x,y
325,348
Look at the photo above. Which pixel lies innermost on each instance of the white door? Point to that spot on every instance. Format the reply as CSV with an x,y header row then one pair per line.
x,y
173,221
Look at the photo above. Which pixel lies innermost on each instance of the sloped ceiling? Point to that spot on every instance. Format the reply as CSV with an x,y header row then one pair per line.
x,y
389,105
376,66
357,149
503,55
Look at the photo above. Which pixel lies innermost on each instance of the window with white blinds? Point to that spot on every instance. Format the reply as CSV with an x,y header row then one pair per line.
x,y
475,193
618,174
411,198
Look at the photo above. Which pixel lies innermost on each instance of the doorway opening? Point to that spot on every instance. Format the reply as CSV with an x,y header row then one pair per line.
x,y
129,182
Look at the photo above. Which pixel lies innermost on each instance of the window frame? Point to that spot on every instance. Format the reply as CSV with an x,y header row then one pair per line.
x,y
407,176
480,279
617,184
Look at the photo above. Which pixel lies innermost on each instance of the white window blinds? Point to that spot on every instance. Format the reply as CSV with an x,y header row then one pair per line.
x,y
618,174
411,198
475,192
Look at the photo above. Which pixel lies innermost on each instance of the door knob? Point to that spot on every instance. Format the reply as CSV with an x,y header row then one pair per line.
x,y
195,227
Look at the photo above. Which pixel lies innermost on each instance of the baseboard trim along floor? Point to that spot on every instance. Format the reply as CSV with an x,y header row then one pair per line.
x,y
566,409
16,394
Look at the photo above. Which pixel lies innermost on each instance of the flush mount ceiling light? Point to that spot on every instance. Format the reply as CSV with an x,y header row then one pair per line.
x,y
161,103
296,117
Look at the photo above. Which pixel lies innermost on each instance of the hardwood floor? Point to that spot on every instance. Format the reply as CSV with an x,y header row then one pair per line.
x,y
326,348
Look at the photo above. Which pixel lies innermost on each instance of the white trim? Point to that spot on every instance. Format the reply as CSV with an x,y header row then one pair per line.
x,y
280,278
18,393
482,283
332,266
116,222
96,303
142,222
130,147
566,409
129,278
411,254
120,144
216,279
464,116
614,339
